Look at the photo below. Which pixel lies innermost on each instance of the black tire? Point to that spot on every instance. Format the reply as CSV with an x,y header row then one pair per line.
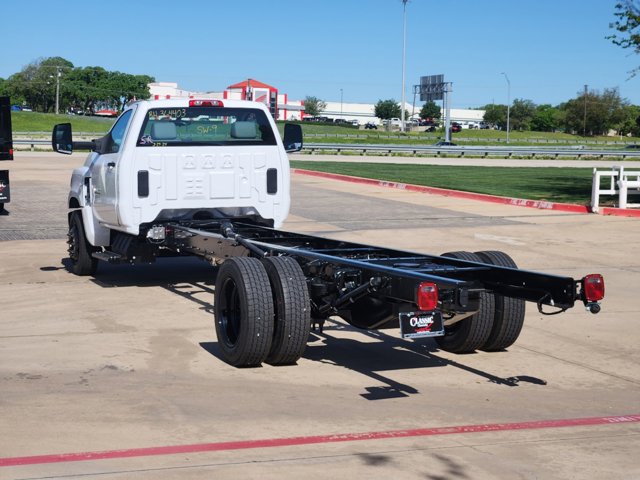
x,y
292,310
82,263
243,312
471,333
509,315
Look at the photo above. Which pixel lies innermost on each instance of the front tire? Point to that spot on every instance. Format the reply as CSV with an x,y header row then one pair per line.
x,y
471,333
243,312
82,263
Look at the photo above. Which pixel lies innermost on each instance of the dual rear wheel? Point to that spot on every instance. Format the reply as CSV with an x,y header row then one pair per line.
x,y
262,311
498,322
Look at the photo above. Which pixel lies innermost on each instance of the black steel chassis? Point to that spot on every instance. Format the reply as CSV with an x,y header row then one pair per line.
x,y
340,274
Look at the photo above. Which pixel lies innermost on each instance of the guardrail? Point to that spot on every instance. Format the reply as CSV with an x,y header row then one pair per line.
x,y
460,151
32,142
458,138
48,134
391,136
499,151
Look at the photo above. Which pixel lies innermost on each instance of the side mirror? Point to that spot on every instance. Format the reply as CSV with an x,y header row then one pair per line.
x,y
292,137
61,139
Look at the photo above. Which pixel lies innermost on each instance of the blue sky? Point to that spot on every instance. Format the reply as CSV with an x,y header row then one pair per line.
x,y
549,48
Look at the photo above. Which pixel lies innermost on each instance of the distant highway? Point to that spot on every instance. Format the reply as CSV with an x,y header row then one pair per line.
x,y
460,151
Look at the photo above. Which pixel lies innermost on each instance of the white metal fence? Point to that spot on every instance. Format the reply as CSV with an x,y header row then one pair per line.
x,y
621,183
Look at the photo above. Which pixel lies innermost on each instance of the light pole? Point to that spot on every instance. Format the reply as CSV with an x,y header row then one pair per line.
x,y
58,74
508,102
404,50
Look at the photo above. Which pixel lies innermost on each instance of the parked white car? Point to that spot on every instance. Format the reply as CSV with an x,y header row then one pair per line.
x,y
393,122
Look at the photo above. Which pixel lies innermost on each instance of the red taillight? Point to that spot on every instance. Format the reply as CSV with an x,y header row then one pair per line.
x,y
427,297
593,285
205,103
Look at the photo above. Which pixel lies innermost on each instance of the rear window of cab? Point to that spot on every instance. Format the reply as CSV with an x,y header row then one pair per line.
x,y
202,126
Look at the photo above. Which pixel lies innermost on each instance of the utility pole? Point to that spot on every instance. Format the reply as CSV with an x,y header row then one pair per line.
x,y
508,103
584,130
58,74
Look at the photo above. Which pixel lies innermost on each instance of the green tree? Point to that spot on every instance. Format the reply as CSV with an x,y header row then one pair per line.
x,y
546,119
89,88
521,114
604,111
83,87
35,84
86,86
313,106
120,88
386,109
628,27
495,115
430,110
631,123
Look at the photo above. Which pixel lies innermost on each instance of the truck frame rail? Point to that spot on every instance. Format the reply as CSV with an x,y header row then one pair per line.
x,y
210,238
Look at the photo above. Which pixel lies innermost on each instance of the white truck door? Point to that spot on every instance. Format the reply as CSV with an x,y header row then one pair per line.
x,y
105,173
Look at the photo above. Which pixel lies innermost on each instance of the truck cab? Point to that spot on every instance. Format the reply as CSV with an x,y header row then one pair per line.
x,y
181,159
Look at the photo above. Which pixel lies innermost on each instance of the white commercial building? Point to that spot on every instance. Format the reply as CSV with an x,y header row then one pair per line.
x,y
294,109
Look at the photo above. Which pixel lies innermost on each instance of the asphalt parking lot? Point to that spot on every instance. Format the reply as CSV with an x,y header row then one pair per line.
x,y
126,363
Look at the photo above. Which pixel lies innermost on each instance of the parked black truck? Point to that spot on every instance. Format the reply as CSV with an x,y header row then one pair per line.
x,y
6,150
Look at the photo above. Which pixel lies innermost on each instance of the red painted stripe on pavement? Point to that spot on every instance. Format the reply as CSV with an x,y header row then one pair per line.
x,y
317,439
520,202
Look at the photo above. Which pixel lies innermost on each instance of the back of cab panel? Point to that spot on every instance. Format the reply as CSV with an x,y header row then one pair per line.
x,y
225,159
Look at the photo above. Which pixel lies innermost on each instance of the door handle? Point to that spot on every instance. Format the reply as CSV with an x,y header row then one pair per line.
x,y
111,164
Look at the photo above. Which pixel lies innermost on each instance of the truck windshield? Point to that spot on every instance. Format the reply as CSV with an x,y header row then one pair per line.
x,y
201,126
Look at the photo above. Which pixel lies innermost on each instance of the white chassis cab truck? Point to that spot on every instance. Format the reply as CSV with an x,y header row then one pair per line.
x,y
211,178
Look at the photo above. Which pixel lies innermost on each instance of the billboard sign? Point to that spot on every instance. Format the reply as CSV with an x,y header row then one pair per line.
x,y
432,87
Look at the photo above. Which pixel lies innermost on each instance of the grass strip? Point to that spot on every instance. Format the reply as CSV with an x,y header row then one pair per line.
x,y
566,185
44,122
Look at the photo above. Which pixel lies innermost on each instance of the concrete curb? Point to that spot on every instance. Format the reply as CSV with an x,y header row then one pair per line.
x,y
518,202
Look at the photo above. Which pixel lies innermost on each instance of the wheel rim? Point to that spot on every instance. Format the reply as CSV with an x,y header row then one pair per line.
x,y
230,318
73,242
